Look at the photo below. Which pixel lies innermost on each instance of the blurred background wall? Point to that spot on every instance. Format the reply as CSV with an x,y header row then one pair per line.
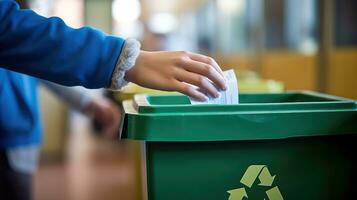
x,y
306,44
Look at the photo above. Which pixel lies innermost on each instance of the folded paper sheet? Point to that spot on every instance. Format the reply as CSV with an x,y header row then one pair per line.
x,y
230,96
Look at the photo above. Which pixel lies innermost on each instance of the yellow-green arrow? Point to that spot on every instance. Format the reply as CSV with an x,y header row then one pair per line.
x,y
266,179
237,194
274,194
252,173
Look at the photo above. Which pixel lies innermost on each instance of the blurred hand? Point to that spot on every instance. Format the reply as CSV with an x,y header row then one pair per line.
x,y
178,71
107,115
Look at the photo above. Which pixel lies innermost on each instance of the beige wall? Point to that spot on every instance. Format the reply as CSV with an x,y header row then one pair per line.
x,y
54,116
342,73
296,71
98,14
301,72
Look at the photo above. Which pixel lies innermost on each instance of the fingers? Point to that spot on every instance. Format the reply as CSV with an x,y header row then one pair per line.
x,y
205,70
207,60
200,81
107,115
189,90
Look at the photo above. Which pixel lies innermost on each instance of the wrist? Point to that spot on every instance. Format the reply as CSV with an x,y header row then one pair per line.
x,y
140,61
126,61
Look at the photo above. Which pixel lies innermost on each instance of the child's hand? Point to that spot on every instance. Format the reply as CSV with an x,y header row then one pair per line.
x,y
171,71
107,116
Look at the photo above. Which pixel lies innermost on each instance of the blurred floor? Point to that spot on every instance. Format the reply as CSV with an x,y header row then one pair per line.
x,y
93,169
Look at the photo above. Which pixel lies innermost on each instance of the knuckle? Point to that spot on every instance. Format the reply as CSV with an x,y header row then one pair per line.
x,y
173,85
186,88
180,60
184,53
208,69
210,60
201,80
174,71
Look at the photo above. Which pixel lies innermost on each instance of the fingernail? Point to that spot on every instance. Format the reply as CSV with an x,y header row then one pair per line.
x,y
224,87
204,98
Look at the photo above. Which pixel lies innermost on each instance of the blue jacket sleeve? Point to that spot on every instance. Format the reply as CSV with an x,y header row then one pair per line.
x,y
47,48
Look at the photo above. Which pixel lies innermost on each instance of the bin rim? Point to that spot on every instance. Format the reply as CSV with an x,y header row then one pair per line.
x,y
245,122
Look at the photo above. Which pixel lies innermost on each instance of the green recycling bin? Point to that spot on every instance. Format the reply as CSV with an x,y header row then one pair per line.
x,y
292,146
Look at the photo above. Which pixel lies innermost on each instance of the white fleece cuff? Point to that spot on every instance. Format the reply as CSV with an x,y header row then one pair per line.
x,y
126,61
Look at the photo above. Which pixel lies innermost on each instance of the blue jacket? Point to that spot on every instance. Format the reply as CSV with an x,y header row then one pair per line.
x,y
35,46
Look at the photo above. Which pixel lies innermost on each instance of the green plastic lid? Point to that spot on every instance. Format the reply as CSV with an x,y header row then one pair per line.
x,y
259,116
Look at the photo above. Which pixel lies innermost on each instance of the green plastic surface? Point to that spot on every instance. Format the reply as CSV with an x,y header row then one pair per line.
x,y
310,168
258,116
300,145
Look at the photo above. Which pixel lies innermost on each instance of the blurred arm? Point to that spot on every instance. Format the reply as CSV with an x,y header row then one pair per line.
x,y
74,97
104,112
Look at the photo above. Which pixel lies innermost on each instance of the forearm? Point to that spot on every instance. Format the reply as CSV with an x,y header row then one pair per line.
x,y
76,98
48,49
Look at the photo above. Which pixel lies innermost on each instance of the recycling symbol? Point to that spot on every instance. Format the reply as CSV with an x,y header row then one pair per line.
x,y
266,180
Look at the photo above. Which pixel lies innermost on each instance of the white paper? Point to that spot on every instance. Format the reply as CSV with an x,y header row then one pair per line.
x,y
230,96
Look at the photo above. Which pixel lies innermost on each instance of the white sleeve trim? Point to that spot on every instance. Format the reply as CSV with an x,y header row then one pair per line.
x,y
125,62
